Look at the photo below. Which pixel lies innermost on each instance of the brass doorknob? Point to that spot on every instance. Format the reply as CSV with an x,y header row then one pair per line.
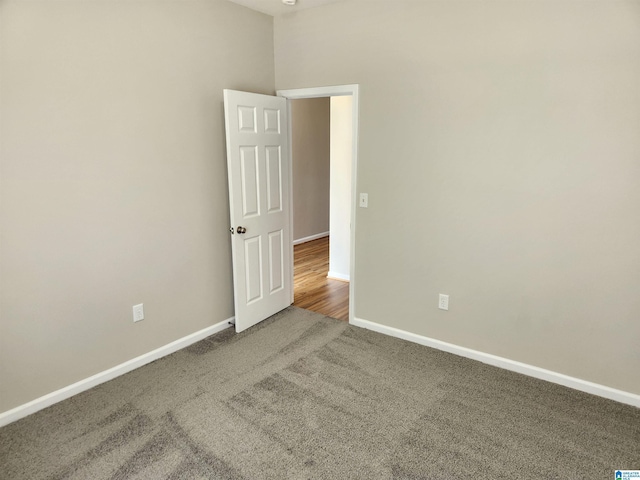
x,y
241,230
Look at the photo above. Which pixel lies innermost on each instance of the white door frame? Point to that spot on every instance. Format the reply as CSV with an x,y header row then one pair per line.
x,y
332,91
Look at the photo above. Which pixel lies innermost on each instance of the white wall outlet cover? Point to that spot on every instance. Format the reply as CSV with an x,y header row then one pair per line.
x,y
443,302
364,200
138,312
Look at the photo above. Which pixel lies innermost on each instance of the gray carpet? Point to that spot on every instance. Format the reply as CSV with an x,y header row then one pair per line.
x,y
302,396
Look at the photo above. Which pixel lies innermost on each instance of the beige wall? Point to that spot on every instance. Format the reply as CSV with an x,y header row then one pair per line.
x,y
499,146
340,209
113,172
310,157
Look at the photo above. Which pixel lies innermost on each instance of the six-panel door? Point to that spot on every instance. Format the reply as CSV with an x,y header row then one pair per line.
x,y
258,170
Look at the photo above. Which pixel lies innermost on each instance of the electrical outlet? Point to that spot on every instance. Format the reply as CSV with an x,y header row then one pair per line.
x,y
443,302
138,312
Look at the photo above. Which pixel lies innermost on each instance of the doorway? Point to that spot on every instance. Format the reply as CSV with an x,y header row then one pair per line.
x,y
331,296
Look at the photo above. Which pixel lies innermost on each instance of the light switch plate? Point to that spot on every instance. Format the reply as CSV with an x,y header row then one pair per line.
x,y
364,200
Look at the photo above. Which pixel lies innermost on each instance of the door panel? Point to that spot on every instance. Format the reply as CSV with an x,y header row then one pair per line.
x,y
276,253
249,181
258,169
274,179
253,269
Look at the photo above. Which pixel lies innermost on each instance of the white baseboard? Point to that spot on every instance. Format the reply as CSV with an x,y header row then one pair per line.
x,y
69,391
530,370
311,237
338,276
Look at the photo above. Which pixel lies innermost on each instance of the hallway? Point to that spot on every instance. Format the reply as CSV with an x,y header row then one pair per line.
x,y
312,289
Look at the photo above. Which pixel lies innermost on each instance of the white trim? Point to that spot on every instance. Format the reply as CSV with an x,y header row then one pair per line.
x,y
529,370
334,91
69,391
317,92
310,238
338,276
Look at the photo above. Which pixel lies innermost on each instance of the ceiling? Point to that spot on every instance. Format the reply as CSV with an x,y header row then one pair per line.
x,y
275,7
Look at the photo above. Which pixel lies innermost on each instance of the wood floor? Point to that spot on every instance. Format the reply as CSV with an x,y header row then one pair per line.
x,y
312,289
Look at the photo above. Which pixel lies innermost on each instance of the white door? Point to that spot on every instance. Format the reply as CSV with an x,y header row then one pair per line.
x,y
258,170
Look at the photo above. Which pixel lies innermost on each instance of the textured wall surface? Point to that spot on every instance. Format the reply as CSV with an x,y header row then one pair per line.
x,y
114,187
310,156
499,146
